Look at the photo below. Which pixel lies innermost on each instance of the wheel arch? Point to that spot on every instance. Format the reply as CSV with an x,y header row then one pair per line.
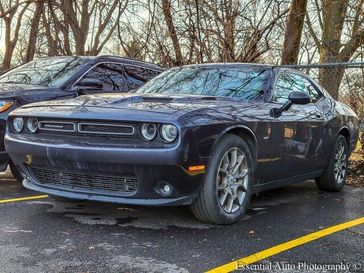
x,y
344,131
244,133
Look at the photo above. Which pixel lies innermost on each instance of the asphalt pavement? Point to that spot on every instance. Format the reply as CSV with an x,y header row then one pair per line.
x,y
44,235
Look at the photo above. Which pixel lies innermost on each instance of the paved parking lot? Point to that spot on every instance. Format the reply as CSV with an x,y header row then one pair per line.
x,y
43,235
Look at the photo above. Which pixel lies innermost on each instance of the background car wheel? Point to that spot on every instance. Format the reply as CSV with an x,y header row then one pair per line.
x,y
226,190
334,177
15,172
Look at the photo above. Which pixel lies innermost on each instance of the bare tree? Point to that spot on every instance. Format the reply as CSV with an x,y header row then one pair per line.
x,y
294,27
77,15
335,44
33,33
172,31
12,8
12,35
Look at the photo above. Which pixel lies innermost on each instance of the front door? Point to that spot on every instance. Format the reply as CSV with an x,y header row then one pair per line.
x,y
297,134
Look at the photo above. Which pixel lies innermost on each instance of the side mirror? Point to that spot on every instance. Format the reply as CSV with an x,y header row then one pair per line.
x,y
88,83
299,98
293,98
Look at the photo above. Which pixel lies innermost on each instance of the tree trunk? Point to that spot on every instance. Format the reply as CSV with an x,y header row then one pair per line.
x,y
8,45
11,42
330,78
292,38
334,13
79,26
332,50
34,29
52,44
229,32
172,31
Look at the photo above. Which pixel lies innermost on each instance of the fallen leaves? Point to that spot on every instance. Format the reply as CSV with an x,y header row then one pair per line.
x,y
356,173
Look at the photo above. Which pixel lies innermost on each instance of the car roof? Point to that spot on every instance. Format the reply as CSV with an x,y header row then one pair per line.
x,y
127,60
230,65
256,65
110,58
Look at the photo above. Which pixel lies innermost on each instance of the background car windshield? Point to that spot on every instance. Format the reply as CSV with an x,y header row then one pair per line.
x,y
46,72
239,83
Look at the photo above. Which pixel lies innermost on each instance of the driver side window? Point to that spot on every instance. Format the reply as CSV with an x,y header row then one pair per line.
x,y
290,82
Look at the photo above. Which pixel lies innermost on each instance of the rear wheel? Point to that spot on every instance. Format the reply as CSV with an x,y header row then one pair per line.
x,y
334,176
15,172
226,190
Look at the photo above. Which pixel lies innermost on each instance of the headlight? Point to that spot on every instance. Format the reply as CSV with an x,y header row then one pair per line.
x,y
32,125
18,124
148,131
5,105
169,132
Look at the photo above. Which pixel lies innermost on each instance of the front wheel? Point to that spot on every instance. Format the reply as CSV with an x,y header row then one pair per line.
x,y
15,172
334,176
226,190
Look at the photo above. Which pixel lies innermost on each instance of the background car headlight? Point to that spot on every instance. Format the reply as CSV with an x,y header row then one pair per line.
x,y
148,131
18,124
32,125
5,105
169,132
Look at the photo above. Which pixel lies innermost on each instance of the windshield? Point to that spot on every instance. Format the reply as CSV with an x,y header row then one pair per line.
x,y
243,83
46,72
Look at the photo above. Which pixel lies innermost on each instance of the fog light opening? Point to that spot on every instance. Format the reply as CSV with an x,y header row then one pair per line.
x,y
164,188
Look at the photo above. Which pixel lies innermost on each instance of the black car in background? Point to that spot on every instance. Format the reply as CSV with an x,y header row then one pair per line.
x,y
66,77
203,135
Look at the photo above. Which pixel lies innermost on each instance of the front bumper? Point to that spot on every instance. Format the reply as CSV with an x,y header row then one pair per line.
x,y
183,200
149,166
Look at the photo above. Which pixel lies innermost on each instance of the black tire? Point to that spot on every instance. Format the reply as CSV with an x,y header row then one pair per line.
x,y
334,177
207,206
15,172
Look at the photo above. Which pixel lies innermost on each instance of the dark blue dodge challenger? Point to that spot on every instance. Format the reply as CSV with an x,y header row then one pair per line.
x,y
203,135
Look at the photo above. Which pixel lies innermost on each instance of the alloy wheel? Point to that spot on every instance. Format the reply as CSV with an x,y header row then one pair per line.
x,y
340,163
232,180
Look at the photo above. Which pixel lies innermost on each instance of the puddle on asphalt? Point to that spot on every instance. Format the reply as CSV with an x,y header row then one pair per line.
x,y
141,217
95,213
92,213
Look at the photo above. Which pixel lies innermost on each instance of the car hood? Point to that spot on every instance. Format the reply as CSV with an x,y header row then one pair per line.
x,y
11,88
11,91
140,102
141,107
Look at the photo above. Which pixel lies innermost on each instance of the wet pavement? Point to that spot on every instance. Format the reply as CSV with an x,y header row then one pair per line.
x,y
44,235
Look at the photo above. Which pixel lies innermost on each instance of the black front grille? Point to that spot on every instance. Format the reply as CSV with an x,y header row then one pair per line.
x,y
57,126
88,129
119,185
112,129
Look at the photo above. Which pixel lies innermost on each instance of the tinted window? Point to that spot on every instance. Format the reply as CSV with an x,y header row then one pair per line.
x,y
117,77
288,83
137,76
46,72
245,83
112,76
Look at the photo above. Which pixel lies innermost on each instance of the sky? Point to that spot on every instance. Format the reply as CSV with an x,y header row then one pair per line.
x,y
2,41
